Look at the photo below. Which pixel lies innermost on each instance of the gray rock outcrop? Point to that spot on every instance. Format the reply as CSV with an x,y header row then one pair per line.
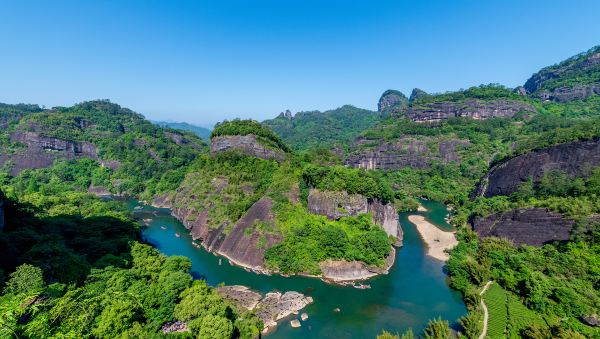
x,y
575,158
41,151
392,100
247,144
341,271
472,108
271,308
335,205
531,226
405,152
240,244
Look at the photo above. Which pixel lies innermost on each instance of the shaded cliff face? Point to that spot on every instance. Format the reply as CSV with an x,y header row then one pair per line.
x,y
574,158
472,108
41,151
247,144
392,101
405,152
576,78
531,226
335,205
243,243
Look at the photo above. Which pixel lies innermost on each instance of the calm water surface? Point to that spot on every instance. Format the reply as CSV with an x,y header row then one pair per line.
x,y
414,291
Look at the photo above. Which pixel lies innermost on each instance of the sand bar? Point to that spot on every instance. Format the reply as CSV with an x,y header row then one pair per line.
x,y
437,240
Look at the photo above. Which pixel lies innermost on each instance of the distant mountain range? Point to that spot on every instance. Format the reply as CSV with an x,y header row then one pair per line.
x,y
200,131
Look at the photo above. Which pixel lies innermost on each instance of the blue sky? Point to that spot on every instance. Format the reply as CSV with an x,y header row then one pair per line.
x,y
205,61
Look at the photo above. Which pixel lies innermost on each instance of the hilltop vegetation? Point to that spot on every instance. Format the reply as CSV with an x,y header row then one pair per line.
x,y
314,129
140,154
246,127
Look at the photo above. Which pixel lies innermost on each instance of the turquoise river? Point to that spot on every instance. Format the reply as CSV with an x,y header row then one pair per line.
x,y
415,290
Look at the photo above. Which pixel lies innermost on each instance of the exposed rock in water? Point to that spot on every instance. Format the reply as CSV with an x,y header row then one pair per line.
x,y
472,108
41,151
405,152
392,101
304,316
247,144
175,327
335,205
240,295
271,308
531,226
340,271
295,323
574,158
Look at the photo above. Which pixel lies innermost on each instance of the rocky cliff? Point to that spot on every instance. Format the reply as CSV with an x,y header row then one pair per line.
x,y
575,158
41,151
240,242
247,144
576,78
335,205
341,271
405,152
472,108
531,226
392,101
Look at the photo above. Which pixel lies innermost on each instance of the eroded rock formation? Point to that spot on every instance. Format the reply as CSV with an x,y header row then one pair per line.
x,y
247,144
531,226
271,308
472,108
405,152
340,271
392,101
575,158
41,151
238,243
572,67
335,205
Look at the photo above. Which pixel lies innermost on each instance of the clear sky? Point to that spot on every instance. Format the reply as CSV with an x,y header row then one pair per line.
x,y
205,61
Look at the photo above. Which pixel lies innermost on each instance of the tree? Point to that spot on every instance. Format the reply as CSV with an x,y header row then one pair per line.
x,y
437,329
26,279
215,327
471,324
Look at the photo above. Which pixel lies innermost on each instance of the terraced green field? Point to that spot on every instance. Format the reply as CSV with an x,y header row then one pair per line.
x,y
507,314
496,301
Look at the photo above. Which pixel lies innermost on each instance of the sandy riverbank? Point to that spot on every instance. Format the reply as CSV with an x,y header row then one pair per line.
x,y
437,240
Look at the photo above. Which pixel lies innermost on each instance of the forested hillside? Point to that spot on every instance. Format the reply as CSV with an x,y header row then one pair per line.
x,y
309,130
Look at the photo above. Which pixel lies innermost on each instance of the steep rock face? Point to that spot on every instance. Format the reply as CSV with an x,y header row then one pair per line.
x,y
335,205
392,100
344,271
566,94
583,62
416,94
41,151
531,226
240,244
406,152
476,109
573,158
247,144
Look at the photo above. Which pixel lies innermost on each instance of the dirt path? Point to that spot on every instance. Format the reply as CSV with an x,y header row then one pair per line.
x,y
485,311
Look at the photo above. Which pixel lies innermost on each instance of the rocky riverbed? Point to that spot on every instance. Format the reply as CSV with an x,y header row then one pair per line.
x,y
270,308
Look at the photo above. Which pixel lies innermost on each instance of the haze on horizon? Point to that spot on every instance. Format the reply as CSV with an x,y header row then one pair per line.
x,y
205,62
